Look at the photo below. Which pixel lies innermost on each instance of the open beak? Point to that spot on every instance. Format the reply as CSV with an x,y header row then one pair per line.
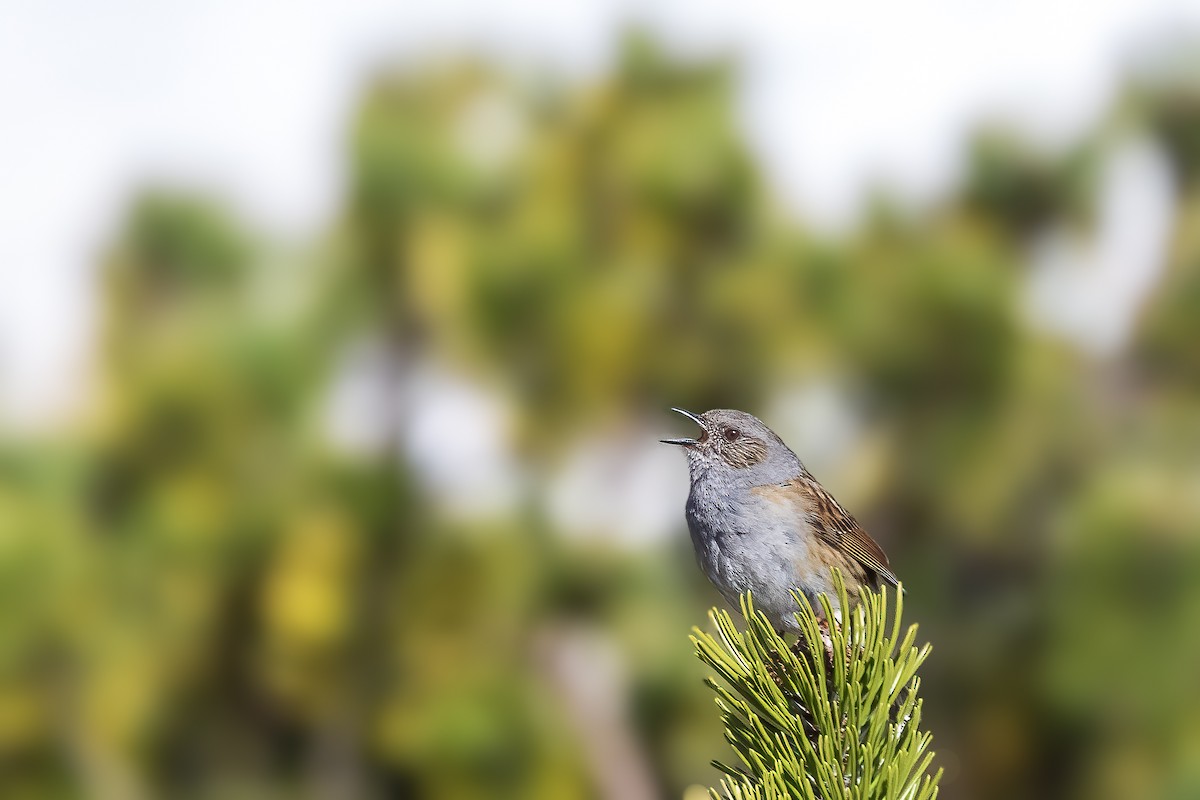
x,y
685,442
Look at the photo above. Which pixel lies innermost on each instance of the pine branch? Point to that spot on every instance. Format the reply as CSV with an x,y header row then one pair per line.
x,y
808,724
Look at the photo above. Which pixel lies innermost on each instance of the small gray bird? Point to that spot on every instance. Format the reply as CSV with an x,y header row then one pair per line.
x,y
761,523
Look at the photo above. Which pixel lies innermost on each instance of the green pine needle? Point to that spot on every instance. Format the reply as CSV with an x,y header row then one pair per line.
x,y
808,725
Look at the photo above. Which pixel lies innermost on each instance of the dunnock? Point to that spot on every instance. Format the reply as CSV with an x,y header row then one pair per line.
x,y
761,523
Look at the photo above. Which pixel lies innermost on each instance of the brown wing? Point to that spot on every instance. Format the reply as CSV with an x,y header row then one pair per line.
x,y
833,522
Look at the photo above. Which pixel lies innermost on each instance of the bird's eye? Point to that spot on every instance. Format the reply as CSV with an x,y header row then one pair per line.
x,y
731,434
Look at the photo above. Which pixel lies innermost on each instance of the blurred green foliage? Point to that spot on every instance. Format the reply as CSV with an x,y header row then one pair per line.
x,y
205,597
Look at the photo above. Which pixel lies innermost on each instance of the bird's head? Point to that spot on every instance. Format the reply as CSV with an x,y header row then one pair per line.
x,y
739,445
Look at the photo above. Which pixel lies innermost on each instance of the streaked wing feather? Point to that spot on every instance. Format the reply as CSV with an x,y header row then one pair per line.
x,y
836,524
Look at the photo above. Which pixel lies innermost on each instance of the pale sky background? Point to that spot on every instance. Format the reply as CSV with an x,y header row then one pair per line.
x,y
252,98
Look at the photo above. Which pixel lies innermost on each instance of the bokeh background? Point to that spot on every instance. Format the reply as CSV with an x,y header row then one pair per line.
x,y
336,339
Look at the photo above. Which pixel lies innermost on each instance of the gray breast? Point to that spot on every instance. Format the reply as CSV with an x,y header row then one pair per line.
x,y
745,543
